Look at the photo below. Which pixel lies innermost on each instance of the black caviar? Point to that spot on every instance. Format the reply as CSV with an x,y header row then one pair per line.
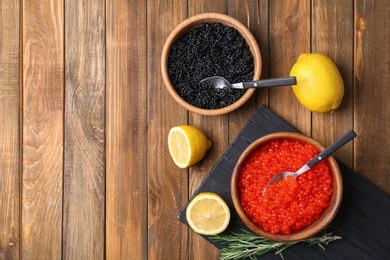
x,y
210,50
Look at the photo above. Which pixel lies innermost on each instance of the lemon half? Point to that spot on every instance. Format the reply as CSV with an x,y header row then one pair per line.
x,y
208,214
187,145
320,87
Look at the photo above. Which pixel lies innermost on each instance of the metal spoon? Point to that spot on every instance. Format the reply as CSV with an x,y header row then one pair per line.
x,y
220,82
325,153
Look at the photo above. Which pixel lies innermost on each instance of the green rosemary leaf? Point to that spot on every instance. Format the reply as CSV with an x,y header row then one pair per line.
x,y
249,245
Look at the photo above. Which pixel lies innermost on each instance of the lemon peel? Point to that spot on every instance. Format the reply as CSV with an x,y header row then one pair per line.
x,y
187,145
320,87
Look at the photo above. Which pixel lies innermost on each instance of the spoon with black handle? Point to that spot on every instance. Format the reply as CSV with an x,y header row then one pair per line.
x,y
325,153
221,82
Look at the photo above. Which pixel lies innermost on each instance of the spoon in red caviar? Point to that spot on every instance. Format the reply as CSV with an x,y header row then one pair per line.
x,y
221,82
325,153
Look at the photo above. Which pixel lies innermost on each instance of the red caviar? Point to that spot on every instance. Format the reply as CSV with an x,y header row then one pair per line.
x,y
291,204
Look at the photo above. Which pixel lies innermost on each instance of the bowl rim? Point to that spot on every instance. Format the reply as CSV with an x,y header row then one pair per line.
x,y
320,223
186,26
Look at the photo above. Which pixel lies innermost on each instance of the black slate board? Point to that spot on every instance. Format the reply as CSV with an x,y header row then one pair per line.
x,y
363,220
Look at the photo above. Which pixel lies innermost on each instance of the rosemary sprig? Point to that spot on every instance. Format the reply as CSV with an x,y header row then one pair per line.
x,y
249,245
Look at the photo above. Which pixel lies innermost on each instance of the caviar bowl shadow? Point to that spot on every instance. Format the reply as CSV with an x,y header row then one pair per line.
x,y
292,209
204,45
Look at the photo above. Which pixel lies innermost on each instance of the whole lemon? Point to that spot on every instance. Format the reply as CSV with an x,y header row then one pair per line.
x,y
319,87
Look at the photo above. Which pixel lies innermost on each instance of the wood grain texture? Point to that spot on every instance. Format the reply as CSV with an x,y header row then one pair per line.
x,y
372,92
9,130
126,190
84,173
261,32
254,15
289,36
167,184
43,88
216,129
332,35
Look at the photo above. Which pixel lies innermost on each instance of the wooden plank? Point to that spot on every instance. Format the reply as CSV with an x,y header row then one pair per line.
x,y
372,92
289,36
216,129
84,174
204,6
254,15
43,88
167,184
126,190
9,130
261,32
332,35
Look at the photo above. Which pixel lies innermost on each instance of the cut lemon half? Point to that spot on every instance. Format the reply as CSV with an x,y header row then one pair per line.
x,y
208,214
187,145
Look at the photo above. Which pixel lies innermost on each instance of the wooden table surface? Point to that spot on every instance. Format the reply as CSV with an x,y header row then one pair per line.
x,y
85,171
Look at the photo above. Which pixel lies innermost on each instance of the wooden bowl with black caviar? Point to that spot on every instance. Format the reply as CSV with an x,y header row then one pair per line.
x,y
292,209
206,45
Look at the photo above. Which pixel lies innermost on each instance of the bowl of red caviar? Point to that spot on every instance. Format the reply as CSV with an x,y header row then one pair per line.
x,y
205,45
292,209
